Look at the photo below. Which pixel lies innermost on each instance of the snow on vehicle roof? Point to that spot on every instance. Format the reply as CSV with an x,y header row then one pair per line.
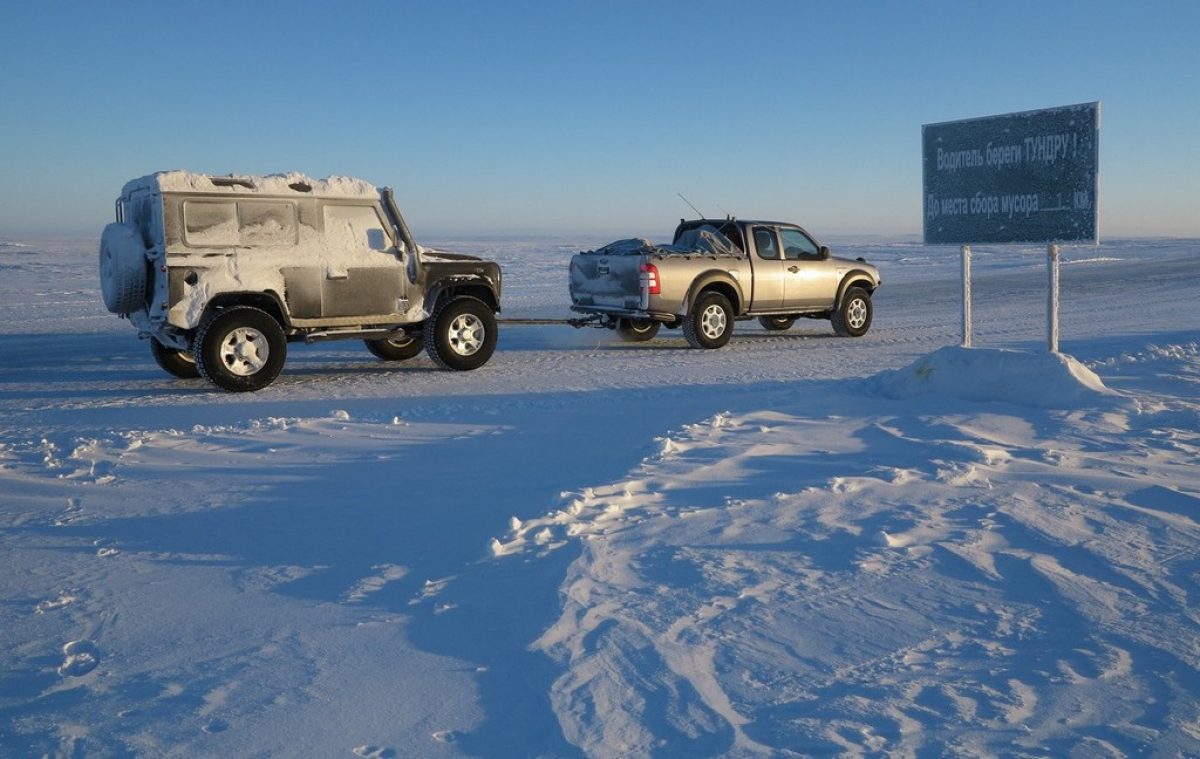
x,y
292,183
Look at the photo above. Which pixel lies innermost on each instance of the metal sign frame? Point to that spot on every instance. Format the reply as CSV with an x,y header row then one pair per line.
x,y
1028,176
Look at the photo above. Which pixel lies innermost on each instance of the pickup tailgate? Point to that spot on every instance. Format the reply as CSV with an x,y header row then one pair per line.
x,y
607,280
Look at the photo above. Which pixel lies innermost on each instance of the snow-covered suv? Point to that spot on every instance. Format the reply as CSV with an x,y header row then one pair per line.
x,y
221,272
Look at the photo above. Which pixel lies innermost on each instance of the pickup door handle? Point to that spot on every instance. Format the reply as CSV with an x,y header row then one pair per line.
x,y
793,269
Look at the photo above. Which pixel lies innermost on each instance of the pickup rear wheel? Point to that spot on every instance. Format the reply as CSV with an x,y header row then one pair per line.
x,y
174,361
777,323
241,348
637,330
710,322
461,334
852,317
397,349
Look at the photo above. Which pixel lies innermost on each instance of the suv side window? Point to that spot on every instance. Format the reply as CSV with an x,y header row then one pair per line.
x,y
798,247
356,227
226,223
764,242
262,223
208,222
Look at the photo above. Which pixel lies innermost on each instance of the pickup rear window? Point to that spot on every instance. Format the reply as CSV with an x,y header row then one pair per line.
x,y
729,230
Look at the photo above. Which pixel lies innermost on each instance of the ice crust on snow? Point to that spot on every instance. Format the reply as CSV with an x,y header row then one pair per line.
x,y
1040,380
274,184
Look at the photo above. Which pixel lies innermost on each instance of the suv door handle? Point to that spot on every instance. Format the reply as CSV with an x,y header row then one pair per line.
x,y
793,269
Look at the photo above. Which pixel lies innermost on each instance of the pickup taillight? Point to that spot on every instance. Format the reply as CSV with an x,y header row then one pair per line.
x,y
649,279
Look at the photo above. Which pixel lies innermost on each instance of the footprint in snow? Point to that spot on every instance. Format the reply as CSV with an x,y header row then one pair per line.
x,y
81,658
212,727
64,599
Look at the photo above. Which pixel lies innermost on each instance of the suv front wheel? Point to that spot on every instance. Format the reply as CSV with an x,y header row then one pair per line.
x,y
240,349
461,334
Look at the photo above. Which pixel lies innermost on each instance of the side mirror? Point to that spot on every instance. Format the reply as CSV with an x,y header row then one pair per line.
x,y
824,251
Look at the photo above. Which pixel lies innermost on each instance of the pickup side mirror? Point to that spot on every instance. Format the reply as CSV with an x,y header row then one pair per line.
x,y
824,251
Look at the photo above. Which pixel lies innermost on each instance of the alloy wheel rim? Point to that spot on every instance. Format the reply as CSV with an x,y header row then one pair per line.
x,y
856,313
712,322
467,334
245,351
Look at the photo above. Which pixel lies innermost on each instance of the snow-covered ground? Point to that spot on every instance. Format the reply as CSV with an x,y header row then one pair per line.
x,y
795,545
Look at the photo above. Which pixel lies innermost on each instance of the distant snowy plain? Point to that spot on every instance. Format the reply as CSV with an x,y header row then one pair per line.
x,y
797,545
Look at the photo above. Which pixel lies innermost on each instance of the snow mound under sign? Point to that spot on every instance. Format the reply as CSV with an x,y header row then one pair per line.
x,y
1041,380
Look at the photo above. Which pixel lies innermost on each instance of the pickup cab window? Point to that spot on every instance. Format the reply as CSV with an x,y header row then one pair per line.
x,y
798,247
764,242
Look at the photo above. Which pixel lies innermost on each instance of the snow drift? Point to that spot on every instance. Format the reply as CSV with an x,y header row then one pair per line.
x,y
1040,380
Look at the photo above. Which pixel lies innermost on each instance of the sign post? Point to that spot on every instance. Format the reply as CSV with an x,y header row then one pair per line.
x,y
1021,177
966,296
1052,303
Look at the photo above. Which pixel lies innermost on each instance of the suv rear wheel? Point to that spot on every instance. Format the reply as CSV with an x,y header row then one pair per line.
x,y
241,348
461,334
174,361
397,349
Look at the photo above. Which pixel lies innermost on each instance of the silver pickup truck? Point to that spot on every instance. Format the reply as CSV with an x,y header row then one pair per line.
x,y
716,272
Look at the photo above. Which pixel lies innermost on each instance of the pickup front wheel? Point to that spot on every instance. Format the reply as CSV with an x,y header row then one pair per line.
x,y
461,334
710,322
852,318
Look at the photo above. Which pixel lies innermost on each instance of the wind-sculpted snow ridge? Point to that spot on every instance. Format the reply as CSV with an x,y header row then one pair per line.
x,y
864,575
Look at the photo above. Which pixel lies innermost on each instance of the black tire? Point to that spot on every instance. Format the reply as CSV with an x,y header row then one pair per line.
x,y
398,349
852,317
122,268
240,349
710,322
173,361
637,330
461,334
777,323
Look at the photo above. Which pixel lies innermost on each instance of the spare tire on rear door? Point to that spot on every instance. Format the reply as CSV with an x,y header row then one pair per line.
x,y
122,268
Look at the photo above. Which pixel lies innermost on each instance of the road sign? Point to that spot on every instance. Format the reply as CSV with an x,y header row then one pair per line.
x,y
1019,177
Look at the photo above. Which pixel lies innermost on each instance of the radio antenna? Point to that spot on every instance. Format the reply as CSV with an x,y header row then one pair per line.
x,y
697,210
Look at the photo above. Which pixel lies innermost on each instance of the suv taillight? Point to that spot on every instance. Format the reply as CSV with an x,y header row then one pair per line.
x,y
649,279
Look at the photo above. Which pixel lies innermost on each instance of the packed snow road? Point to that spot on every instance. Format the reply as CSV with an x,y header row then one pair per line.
x,y
382,560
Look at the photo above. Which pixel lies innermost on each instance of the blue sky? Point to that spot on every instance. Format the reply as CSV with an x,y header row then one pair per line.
x,y
520,117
